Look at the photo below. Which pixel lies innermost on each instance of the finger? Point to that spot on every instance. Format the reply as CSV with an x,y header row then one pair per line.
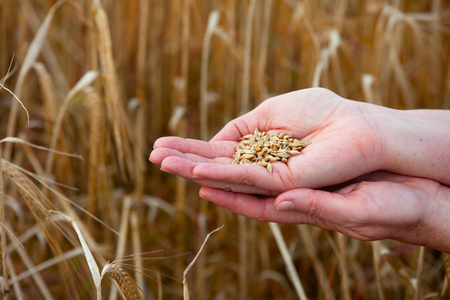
x,y
255,207
376,176
247,174
237,188
183,168
382,175
198,147
159,154
178,166
239,127
321,206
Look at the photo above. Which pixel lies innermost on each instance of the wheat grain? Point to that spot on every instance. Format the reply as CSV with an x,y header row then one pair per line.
x,y
263,149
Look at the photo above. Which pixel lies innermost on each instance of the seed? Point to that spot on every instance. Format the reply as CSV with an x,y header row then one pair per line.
x,y
264,149
272,158
282,154
248,156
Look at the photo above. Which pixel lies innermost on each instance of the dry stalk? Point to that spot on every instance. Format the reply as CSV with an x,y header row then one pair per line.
x,y
26,259
97,150
32,19
51,104
245,102
39,207
446,284
300,26
376,253
262,62
123,136
243,254
181,125
140,125
185,284
28,191
92,264
32,53
310,243
49,95
84,82
2,230
293,275
46,264
11,269
343,264
263,148
418,278
123,231
137,247
213,19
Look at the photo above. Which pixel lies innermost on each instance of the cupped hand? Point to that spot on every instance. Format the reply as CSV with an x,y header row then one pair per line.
x,y
376,206
345,135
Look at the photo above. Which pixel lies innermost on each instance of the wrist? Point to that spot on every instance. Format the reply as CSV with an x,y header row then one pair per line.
x,y
417,143
434,231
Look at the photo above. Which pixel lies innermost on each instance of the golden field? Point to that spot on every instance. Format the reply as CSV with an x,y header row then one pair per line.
x,y
101,80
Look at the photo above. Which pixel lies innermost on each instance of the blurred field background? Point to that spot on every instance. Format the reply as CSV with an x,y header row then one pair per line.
x,y
103,79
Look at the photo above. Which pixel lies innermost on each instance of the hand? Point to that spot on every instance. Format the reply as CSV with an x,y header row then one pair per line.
x,y
346,143
376,206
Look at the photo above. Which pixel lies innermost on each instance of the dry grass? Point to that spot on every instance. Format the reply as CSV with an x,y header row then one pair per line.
x,y
104,79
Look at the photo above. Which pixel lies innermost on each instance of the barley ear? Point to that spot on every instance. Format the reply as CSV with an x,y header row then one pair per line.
x,y
127,285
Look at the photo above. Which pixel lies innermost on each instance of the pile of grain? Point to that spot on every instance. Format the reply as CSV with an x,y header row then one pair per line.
x,y
263,148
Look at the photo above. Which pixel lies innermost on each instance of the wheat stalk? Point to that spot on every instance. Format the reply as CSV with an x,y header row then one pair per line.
x,y
213,19
84,82
26,259
39,207
310,244
446,284
293,275
32,53
2,224
188,268
182,124
121,127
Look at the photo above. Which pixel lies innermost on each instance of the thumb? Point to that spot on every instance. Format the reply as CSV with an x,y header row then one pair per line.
x,y
318,204
237,128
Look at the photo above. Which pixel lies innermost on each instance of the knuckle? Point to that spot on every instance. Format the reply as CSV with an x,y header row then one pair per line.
x,y
314,209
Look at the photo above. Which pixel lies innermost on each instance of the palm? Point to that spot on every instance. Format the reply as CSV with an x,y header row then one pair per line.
x,y
342,148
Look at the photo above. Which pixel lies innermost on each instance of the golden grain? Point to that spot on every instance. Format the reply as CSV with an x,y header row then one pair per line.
x,y
263,149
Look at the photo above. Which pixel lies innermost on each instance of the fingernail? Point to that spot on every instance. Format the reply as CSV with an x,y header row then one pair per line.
x,y
195,174
285,205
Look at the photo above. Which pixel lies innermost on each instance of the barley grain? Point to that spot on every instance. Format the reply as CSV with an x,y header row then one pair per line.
x,y
264,149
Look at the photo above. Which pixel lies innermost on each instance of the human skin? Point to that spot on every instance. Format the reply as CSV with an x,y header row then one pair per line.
x,y
380,205
349,139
